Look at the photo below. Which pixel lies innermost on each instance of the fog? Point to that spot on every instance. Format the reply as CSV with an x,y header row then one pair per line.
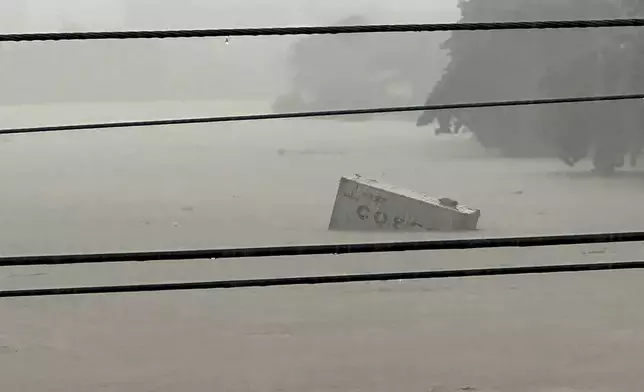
x,y
248,68
274,183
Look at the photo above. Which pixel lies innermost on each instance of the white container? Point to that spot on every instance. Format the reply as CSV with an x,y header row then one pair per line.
x,y
363,204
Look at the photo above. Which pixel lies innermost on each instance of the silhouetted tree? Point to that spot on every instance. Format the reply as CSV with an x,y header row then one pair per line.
x,y
609,131
508,65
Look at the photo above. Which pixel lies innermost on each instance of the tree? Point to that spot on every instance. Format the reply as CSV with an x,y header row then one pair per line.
x,y
611,131
508,65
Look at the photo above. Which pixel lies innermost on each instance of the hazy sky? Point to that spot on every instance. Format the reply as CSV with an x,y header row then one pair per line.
x,y
249,67
44,15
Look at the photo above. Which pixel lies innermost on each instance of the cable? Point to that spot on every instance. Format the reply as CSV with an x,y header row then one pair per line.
x,y
309,250
328,279
311,30
324,113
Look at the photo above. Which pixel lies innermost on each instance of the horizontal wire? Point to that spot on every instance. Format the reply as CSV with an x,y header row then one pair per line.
x,y
333,249
319,280
312,30
322,113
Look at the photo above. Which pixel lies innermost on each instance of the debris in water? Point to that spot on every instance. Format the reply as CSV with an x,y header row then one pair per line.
x,y
362,204
447,202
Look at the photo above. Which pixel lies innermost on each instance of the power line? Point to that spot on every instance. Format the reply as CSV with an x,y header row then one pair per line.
x,y
314,30
319,280
323,113
333,249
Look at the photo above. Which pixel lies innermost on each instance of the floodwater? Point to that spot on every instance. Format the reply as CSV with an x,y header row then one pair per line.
x,y
273,182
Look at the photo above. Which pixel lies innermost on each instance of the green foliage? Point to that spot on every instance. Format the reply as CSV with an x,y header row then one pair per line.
x,y
506,65
610,130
